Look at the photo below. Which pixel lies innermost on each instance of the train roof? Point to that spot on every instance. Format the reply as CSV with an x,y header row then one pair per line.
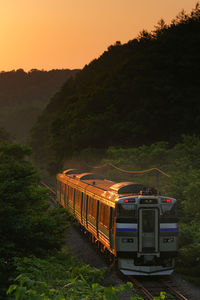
x,y
109,189
126,188
72,171
89,176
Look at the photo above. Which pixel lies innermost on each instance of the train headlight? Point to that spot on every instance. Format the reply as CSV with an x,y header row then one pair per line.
x,y
168,240
127,240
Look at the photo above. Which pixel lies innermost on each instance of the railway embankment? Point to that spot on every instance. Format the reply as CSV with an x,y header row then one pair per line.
x,y
81,247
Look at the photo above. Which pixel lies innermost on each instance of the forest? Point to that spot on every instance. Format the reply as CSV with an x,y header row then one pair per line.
x,y
141,92
24,95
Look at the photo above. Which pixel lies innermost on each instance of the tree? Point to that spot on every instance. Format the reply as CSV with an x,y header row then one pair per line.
x,y
28,225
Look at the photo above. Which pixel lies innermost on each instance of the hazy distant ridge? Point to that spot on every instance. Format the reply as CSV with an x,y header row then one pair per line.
x,y
23,95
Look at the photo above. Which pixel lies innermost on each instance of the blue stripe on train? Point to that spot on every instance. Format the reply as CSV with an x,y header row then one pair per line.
x,y
169,230
126,230
135,230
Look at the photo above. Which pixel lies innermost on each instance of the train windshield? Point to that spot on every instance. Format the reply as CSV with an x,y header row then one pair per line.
x,y
127,210
169,211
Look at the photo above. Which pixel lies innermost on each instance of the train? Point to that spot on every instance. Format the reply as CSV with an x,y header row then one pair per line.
x,y
132,222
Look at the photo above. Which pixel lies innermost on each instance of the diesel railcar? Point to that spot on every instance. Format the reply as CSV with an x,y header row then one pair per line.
x,y
129,220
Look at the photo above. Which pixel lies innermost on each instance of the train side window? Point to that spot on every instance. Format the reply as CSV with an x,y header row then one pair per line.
x,y
104,215
78,200
63,188
74,198
92,206
71,195
65,202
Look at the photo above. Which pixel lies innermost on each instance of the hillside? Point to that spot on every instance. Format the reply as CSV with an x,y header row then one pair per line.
x,y
24,95
141,92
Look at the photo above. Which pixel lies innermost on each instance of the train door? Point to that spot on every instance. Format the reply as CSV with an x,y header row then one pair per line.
x,y
148,230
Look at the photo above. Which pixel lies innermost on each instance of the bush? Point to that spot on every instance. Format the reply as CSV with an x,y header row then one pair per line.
x,y
60,277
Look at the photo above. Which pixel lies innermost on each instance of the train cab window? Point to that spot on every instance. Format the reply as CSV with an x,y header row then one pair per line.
x,y
127,210
169,211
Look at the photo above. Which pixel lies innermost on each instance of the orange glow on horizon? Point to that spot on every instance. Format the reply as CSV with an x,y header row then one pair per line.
x,y
56,34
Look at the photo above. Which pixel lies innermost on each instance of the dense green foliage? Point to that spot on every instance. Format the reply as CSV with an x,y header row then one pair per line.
x,y
138,93
28,227
24,95
32,234
60,277
24,214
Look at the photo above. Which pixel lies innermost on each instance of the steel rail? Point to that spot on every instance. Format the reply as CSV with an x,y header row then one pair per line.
x,y
141,287
52,191
48,187
174,292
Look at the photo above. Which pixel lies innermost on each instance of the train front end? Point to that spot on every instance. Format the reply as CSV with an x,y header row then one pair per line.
x,y
146,235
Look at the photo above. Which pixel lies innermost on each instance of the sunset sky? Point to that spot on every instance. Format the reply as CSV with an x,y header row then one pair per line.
x,y
47,34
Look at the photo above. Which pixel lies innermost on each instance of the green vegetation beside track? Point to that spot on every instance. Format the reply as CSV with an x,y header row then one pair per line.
x,y
32,235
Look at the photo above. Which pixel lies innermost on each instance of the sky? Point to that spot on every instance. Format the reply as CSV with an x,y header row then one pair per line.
x,y
67,34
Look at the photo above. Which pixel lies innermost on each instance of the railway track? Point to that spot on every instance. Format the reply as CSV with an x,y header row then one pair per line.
x,y
147,288
151,288
51,190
